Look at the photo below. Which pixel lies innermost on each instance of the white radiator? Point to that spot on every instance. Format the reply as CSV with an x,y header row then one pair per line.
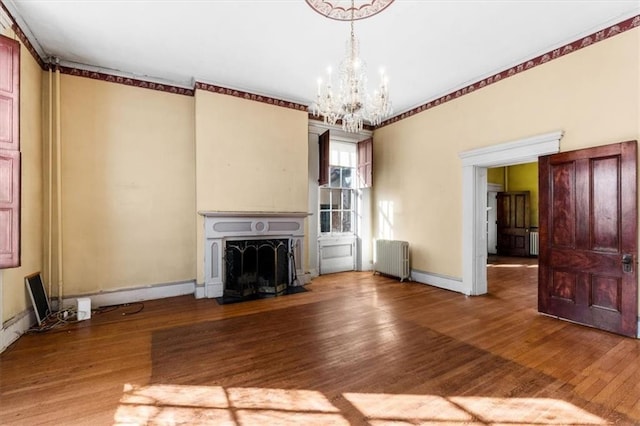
x,y
534,241
392,258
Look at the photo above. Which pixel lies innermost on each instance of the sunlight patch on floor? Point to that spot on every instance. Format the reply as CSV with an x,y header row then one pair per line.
x,y
177,404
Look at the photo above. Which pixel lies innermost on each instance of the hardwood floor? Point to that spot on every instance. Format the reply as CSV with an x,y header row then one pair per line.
x,y
356,349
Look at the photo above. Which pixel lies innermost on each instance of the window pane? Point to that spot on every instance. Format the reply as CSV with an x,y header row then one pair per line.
x,y
346,199
336,195
334,178
343,154
346,221
325,199
325,221
336,222
347,181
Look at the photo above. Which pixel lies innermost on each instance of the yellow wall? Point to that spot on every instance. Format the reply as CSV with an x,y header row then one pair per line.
x,y
14,297
521,177
592,94
250,156
128,186
496,175
524,177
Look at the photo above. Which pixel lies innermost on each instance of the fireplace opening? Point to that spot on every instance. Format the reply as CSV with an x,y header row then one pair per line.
x,y
256,267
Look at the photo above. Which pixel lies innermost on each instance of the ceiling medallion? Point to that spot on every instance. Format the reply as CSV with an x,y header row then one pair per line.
x,y
346,10
351,103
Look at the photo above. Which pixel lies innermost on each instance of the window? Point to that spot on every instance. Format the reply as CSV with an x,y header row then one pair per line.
x,y
337,213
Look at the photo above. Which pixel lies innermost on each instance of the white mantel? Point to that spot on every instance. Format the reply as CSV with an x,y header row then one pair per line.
x,y
220,226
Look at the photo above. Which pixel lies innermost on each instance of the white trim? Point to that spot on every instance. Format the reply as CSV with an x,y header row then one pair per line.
x,y
474,198
5,22
13,10
514,152
16,327
494,187
436,280
312,273
200,291
156,291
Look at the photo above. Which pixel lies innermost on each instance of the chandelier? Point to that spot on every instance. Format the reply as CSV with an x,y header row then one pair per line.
x,y
351,103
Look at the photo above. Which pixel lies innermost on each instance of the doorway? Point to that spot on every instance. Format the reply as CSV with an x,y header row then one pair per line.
x,y
474,199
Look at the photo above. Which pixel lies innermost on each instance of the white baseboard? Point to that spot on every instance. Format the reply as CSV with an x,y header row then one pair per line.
x,y
304,278
200,293
116,297
436,280
312,273
139,294
18,325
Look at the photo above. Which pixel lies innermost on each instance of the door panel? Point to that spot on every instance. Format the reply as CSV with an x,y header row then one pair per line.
x,y
9,94
588,222
9,209
513,223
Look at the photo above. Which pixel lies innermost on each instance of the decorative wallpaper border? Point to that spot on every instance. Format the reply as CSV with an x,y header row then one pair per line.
x,y
604,34
250,96
127,81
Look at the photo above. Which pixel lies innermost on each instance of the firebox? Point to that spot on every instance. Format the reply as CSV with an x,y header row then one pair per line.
x,y
258,266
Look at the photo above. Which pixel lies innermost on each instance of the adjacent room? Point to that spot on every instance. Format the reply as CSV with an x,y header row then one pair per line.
x,y
219,212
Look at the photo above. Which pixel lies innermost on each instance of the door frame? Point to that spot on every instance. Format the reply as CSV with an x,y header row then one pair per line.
x,y
474,198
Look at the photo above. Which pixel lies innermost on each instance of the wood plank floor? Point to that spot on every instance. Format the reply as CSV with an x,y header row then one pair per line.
x,y
356,349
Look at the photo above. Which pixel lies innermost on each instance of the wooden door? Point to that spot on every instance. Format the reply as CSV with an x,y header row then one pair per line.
x,y
513,217
588,237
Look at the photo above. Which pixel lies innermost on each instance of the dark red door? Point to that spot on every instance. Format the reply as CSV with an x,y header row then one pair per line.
x,y
588,237
512,219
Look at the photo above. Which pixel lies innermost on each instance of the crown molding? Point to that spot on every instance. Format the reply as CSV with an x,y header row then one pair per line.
x,y
22,31
213,88
112,76
5,20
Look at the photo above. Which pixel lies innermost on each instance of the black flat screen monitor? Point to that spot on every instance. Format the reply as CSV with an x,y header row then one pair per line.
x,y
38,295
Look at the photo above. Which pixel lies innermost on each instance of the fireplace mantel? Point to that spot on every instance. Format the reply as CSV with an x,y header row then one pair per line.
x,y
216,213
220,226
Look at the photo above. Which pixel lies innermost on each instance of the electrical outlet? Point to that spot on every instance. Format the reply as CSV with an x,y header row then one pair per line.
x,y
84,308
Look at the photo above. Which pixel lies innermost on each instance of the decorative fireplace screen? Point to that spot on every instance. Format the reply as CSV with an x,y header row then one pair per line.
x,y
256,267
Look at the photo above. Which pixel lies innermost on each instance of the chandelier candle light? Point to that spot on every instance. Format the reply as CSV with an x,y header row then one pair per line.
x,y
351,104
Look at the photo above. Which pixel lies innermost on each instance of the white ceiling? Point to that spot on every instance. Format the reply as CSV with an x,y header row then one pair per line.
x,y
279,48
